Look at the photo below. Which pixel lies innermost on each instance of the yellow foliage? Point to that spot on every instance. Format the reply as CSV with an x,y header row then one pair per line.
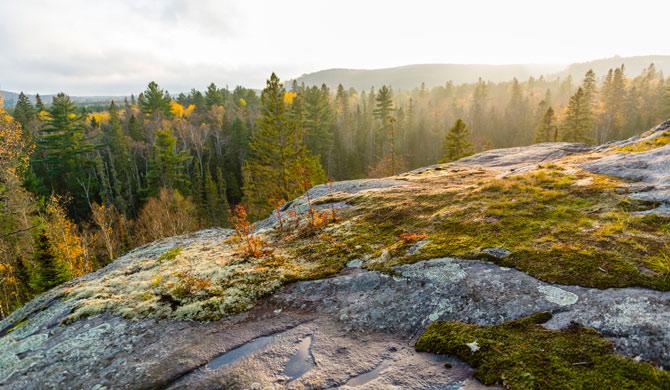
x,y
100,117
66,243
289,96
44,115
179,111
14,151
243,103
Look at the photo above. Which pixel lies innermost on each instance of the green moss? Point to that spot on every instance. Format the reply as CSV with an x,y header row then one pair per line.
x,y
646,145
522,354
170,254
557,229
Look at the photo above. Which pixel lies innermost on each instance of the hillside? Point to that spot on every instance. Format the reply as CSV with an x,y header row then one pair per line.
x,y
411,76
10,99
544,266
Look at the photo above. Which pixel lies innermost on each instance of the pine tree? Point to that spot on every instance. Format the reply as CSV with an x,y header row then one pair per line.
x,y
319,122
62,157
48,274
118,158
382,112
456,144
25,114
39,106
577,123
155,101
167,166
279,165
546,130
213,96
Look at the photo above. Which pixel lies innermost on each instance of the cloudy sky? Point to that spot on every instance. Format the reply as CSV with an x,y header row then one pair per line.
x,y
86,47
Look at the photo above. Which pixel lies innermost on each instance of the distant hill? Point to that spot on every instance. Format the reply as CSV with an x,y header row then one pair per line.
x,y
632,65
11,98
411,76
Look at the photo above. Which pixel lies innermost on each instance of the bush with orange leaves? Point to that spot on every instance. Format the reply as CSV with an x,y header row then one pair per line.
x,y
410,238
252,245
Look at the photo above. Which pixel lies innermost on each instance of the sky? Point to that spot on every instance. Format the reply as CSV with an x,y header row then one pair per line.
x,y
115,47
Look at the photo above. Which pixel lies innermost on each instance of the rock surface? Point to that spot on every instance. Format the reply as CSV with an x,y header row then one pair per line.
x,y
355,329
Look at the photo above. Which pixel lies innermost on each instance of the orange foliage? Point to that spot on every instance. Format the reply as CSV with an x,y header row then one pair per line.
x,y
245,231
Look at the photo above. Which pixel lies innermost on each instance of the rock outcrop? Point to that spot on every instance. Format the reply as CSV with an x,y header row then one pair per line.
x,y
340,305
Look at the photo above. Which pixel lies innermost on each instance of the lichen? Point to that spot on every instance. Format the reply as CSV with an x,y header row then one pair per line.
x,y
522,354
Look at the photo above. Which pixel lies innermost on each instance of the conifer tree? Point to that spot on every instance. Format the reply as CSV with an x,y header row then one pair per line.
x,y
39,106
456,144
167,165
213,96
118,158
155,101
48,274
577,123
279,163
546,130
24,113
382,112
62,156
319,121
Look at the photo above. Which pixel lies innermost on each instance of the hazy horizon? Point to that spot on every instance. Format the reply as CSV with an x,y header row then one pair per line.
x,y
116,47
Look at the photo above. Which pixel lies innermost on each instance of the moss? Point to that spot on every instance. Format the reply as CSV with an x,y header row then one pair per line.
x,y
557,229
169,254
560,223
646,145
522,354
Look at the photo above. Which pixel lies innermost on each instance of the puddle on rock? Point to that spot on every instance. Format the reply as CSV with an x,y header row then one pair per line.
x,y
238,353
301,361
369,376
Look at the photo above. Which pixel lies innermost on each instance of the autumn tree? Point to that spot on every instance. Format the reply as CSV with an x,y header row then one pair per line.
x,y
168,214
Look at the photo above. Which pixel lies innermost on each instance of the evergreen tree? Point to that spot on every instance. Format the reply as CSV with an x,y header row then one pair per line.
x,y
24,113
213,96
546,130
382,112
456,144
279,165
62,157
47,273
155,101
577,123
39,106
118,160
167,166
319,122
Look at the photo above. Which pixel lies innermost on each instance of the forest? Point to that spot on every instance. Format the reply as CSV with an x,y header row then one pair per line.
x,y
81,185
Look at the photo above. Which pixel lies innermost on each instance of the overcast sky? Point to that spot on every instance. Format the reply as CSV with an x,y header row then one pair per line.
x,y
86,47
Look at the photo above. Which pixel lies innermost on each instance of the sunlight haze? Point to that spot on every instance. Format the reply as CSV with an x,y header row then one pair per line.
x,y
114,47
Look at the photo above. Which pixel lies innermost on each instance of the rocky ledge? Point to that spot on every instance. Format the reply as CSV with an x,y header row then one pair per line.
x,y
565,229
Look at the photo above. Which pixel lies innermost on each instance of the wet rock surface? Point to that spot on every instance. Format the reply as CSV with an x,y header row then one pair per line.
x,y
347,331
